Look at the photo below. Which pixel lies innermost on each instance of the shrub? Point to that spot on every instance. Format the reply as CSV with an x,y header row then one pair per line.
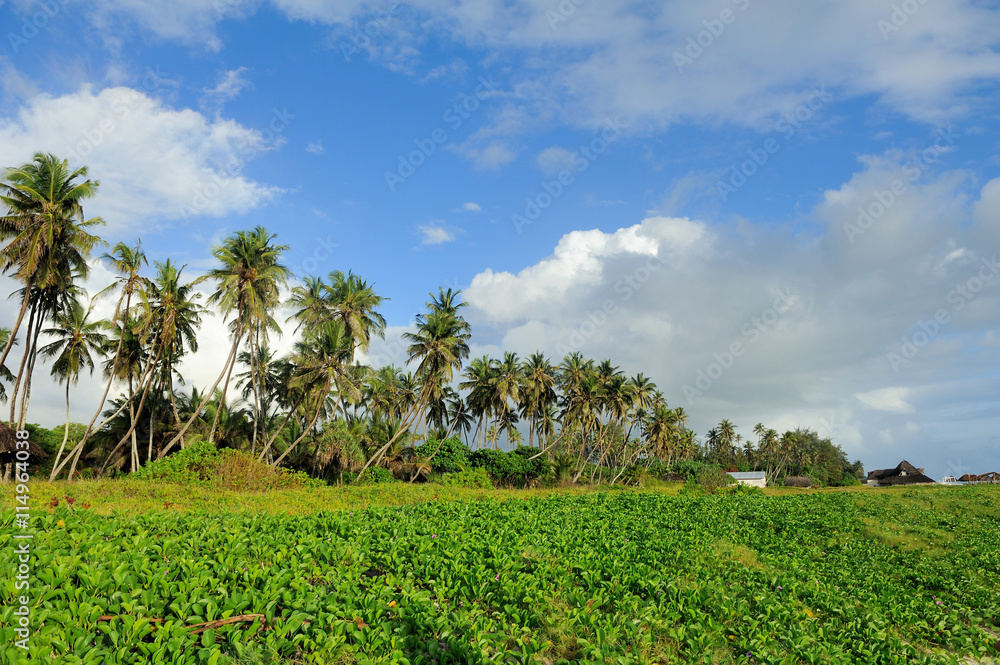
x,y
712,479
476,478
376,474
193,463
513,468
453,455
690,468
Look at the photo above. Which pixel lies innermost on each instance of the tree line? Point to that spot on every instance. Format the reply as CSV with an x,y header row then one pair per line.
x,y
319,407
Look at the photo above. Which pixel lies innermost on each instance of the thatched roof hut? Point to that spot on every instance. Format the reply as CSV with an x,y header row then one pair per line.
x,y
798,481
903,474
8,446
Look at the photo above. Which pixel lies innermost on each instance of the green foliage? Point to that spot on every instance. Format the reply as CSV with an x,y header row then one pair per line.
x,y
690,468
192,464
202,462
376,474
453,455
477,477
513,468
633,578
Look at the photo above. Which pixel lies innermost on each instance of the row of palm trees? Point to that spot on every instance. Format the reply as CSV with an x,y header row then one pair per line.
x,y
318,402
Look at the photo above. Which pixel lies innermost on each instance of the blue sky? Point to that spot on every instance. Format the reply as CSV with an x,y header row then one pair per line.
x,y
713,156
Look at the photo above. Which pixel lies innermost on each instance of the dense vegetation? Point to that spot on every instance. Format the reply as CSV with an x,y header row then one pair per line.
x,y
900,576
319,410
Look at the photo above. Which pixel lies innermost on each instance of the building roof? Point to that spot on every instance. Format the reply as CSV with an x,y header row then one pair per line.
x,y
8,444
904,474
747,475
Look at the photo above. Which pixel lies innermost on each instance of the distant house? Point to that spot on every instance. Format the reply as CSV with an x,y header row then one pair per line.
x,y
752,478
904,474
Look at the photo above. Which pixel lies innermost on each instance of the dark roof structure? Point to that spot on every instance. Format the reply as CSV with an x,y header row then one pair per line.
x,y
798,481
8,445
904,474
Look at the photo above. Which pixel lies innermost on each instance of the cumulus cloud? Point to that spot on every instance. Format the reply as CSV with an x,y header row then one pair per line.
x,y
604,59
762,324
154,163
892,399
315,147
555,159
471,207
435,234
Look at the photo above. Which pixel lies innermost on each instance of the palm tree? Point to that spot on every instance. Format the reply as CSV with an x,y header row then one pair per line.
x,y
539,390
45,234
249,282
354,304
323,361
126,261
79,341
440,344
508,382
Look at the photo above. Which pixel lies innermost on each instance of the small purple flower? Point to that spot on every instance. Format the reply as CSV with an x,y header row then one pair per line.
x,y
749,654
938,602
779,588
497,578
434,535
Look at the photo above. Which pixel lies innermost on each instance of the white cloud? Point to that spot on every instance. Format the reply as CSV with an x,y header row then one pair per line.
x,y
607,59
823,359
892,399
315,148
435,234
230,85
555,159
471,207
486,157
154,163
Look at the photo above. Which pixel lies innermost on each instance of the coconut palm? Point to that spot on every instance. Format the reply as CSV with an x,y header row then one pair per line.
x,y
45,235
249,282
79,342
539,392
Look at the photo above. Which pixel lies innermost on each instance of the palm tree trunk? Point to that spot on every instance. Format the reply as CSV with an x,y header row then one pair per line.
x,y
305,431
20,370
78,449
147,383
274,437
17,324
107,389
205,400
31,370
131,418
65,434
403,426
225,386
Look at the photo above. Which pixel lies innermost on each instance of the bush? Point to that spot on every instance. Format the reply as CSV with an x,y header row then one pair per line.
x,y
375,474
513,468
452,457
193,463
476,478
233,469
690,468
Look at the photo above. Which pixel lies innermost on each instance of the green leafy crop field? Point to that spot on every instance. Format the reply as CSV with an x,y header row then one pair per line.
x,y
899,576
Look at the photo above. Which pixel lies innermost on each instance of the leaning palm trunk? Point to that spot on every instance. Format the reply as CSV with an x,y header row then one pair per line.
x,y
15,391
208,395
440,443
107,389
225,386
65,432
308,428
284,422
403,426
26,395
17,324
135,421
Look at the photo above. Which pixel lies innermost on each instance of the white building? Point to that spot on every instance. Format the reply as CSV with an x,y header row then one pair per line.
x,y
752,478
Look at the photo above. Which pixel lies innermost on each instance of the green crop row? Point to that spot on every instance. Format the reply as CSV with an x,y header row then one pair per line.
x,y
601,578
